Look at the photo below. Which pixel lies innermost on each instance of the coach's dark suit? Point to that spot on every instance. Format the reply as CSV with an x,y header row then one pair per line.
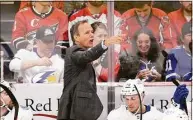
x,y
79,100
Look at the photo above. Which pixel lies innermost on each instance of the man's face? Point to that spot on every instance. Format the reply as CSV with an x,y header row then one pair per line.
x,y
144,11
46,47
187,39
85,36
96,3
187,6
99,35
44,3
133,103
5,99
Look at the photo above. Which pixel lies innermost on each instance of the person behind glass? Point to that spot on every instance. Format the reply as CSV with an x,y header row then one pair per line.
x,y
143,15
9,106
79,100
42,64
133,108
147,49
95,11
178,62
101,64
29,19
179,17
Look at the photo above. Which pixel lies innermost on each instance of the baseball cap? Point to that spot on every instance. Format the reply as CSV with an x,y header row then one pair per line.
x,y
45,34
187,28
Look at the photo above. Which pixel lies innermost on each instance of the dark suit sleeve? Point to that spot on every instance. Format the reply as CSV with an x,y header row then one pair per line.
x,y
82,57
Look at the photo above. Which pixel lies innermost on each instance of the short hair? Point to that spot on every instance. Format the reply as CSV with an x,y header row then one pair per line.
x,y
140,4
74,29
96,25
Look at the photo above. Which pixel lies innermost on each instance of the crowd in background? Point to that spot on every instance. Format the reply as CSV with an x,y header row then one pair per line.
x,y
156,47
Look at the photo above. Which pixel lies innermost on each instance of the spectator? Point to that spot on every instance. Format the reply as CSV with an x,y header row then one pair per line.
x,y
101,64
132,95
42,64
28,20
143,15
178,63
147,49
95,11
57,4
79,99
9,107
179,17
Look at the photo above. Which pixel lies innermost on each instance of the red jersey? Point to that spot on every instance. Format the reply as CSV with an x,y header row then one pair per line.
x,y
84,14
27,21
101,65
157,22
57,4
177,21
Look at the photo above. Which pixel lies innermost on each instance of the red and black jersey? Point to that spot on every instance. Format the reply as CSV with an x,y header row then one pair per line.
x,y
27,21
158,23
177,21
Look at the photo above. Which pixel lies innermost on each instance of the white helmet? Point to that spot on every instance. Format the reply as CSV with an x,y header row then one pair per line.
x,y
129,87
175,114
3,82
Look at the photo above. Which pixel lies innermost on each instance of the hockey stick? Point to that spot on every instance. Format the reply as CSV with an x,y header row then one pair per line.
x,y
139,102
165,54
14,100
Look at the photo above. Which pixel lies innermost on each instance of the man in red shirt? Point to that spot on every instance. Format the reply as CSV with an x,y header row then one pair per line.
x,y
29,19
179,17
143,15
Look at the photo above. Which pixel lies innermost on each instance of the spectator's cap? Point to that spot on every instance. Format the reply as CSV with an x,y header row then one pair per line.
x,y
187,28
45,34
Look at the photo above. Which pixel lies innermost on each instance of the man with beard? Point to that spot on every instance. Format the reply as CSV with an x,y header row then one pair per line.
x,y
94,12
179,17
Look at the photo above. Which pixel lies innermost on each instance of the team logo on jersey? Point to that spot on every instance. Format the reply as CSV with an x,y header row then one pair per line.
x,y
44,77
34,22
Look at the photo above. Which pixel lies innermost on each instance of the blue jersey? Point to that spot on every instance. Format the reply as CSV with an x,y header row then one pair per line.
x,y
178,65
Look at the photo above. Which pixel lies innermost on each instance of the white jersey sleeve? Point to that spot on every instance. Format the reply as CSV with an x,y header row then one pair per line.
x,y
23,114
15,64
121,113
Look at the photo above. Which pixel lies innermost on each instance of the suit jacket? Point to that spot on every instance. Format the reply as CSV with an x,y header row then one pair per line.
x,y
79,100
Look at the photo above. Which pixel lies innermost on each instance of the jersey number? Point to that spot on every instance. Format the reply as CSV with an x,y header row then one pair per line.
x,y
168,65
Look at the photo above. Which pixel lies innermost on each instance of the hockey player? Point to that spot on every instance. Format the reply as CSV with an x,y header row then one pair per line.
x,y
29,19
178,63
42,64
177,110
133,94
9,108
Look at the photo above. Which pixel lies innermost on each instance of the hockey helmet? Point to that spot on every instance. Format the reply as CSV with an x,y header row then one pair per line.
x,y
129,87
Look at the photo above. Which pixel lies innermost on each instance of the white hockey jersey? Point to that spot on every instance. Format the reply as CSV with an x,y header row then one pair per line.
x,y
38,74
23,114
123,114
